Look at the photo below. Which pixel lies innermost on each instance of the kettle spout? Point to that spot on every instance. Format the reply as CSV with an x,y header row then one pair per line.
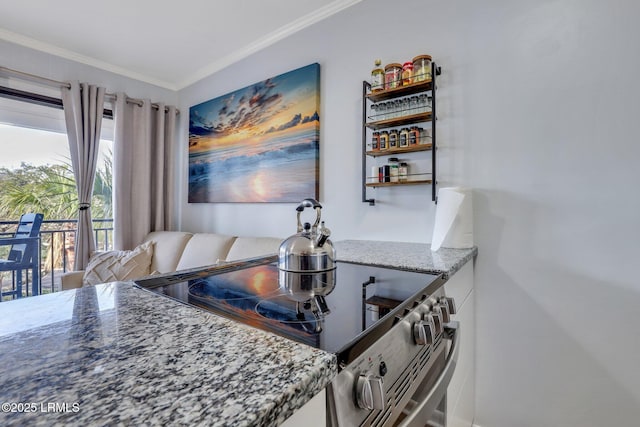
x,y
323,235
321,305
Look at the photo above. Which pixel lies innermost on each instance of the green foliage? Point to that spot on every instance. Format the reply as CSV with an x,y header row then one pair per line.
x,y
51,190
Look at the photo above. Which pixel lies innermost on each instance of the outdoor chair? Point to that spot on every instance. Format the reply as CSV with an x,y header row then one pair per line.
x,y
23,253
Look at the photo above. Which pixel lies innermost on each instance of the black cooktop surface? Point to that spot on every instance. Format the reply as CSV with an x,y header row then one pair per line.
x,y
345,303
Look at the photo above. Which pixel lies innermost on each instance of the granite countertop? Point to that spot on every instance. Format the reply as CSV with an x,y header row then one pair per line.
x,y
115,354
406,256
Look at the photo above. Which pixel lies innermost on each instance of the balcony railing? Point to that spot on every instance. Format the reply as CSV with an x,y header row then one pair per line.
x,y
56,249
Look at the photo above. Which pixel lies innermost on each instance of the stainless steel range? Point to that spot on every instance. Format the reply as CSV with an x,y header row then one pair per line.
x,y
391,330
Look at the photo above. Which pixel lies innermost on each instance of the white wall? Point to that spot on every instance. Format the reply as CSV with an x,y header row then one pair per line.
x,y
554,122
539,113
345,46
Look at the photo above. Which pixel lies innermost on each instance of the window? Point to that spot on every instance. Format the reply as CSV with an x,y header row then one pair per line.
x,y
36,176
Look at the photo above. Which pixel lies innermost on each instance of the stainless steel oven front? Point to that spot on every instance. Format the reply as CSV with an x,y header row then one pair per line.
x,y
398,374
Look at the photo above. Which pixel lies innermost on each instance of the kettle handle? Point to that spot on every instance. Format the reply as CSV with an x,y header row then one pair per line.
x,y
309,203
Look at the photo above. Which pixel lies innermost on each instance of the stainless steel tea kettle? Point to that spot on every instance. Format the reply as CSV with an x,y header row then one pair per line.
x,y
307,263
309,250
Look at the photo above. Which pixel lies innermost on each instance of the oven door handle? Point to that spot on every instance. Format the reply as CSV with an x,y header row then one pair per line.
x,y
439,388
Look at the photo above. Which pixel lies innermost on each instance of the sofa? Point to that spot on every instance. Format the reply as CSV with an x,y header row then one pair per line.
x,y
171,251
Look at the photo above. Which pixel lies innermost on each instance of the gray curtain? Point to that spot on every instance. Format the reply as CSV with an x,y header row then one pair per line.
x,y
143,176
83,109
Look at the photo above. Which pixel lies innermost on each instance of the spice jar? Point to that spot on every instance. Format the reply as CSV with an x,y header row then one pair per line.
x,y
375,141
403,172
397,108
414,135
423,103
421,68
407,73
382,112
406,107
394,135
425,136
377,77
384,140
393,169
404,137
414,102
392,75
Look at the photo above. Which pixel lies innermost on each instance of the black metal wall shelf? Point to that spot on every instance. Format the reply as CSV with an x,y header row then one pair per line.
x,y
393,184
368,125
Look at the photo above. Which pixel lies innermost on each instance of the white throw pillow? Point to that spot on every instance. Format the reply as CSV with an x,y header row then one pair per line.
x,y
112,266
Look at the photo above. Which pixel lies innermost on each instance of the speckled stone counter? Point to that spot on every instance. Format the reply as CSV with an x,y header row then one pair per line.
x,y
117,355
406,256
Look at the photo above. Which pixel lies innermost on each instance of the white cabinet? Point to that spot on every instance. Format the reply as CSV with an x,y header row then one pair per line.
x,y
312,414
461,391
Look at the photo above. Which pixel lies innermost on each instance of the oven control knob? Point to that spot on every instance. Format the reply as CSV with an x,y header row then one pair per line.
x,y
424,332
450,303
383,369
435,318
443,311
369,392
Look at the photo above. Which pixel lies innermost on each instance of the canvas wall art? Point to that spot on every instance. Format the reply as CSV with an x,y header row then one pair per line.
x,y
258,144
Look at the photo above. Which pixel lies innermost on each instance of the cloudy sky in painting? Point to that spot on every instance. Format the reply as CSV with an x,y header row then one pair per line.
x,y
253,113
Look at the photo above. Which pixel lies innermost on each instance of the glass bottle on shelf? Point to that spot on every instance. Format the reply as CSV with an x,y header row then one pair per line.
x,y
407,73
394,136
425,136
393,169
377,77
392,75
413,105
374,113
403,172
375,141
414,135
384,140
406,108
423,105
397,108
404,138
382,112
421,68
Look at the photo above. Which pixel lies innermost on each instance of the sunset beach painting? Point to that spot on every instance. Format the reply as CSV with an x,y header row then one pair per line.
x,y
258,144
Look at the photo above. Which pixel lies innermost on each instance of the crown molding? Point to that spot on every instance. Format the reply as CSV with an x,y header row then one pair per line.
x,y
271,38
83,59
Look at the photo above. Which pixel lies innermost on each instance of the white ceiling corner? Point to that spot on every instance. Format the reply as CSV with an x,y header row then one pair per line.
x,y
196,35
83,59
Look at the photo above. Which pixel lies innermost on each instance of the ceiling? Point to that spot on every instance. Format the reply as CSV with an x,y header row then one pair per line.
x,y
169,44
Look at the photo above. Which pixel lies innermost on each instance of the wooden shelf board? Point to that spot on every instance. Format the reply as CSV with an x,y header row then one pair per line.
x,y
383,302
410,149
399,121
400,91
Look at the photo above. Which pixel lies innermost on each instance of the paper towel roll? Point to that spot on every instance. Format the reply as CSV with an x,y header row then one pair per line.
x,y
453,225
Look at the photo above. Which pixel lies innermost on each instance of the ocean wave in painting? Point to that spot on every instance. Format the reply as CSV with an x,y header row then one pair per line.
x,y
283,169
259,143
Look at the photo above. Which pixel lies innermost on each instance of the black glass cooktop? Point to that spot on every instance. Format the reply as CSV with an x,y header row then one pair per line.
x,y
326,310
